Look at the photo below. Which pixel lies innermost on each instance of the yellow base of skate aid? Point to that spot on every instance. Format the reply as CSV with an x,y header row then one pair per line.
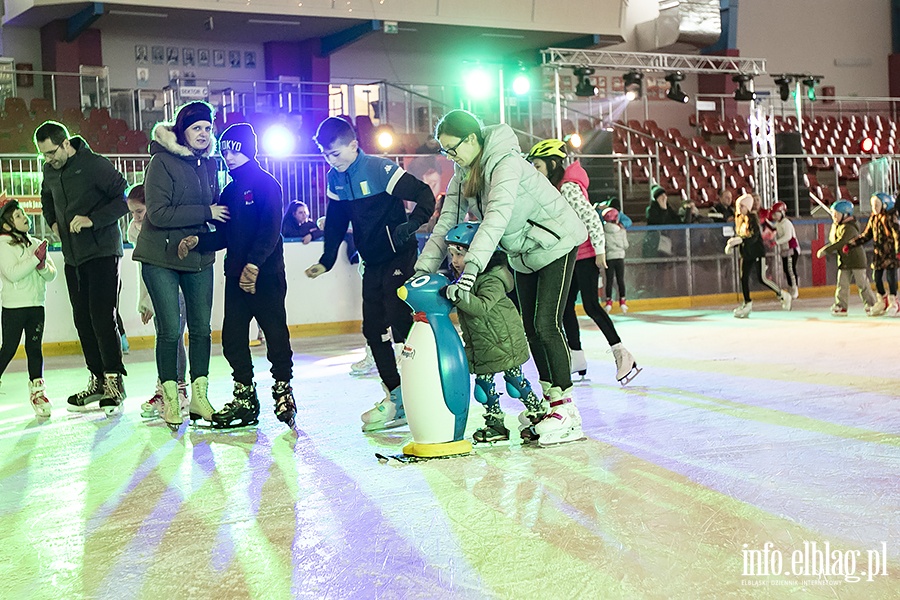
x,y
437,450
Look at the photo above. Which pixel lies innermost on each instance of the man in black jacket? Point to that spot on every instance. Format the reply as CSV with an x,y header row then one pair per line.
x,y
83,198
255,283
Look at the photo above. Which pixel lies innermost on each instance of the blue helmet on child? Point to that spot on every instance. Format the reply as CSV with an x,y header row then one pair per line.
x,y
845,207
461,234
887,201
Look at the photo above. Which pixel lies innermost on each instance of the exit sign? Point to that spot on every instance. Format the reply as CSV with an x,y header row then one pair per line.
x,y
391,27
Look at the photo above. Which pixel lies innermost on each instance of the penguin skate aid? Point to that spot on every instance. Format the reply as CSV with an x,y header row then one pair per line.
x,y
550,158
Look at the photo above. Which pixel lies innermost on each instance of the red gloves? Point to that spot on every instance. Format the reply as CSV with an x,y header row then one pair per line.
x,y
41,254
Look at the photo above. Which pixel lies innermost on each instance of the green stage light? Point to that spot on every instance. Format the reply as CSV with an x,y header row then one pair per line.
x,y
478,84
521,85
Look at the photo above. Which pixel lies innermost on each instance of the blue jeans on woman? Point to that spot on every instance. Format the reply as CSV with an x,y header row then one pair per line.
x,y
163,285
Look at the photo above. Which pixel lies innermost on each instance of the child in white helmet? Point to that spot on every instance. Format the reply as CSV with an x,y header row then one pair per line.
x,y
753,254
850,264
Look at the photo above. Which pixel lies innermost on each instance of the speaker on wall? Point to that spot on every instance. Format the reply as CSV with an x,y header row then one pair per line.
x,y
790,143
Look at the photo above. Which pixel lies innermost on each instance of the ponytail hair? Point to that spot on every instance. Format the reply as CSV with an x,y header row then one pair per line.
x,y
461,123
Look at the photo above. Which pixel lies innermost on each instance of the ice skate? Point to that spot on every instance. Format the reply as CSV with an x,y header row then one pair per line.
x,y
152,408
113,393
579,363
493,431
183,400
387,414
199,407
364,366
743,311
880,306
39,402
626,367
893,306
608,306
623,306
795,292
563,423
285,407
171,409
838,311
786,300
80,402
242,411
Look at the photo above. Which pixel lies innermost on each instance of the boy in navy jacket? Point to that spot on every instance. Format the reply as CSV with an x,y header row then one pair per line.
x,y
368,191
255,283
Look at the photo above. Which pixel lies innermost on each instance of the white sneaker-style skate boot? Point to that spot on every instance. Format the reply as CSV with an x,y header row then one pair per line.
x,y
579,362
623,306
39,402
880,306
893,308
528,419
387,414
626,367
152,408
786,300
743,311
563,423
365,365
795,292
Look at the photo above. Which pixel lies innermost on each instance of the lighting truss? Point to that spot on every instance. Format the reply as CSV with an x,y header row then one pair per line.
x,y
688,63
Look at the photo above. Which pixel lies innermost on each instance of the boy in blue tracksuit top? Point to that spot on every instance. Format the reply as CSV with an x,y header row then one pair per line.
x,y
255,283
368,191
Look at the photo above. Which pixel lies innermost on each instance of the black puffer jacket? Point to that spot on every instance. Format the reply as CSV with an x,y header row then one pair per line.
x,y
179,187
90,186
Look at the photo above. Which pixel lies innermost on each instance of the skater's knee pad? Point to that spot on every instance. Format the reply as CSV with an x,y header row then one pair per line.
x,y
517,386
485,392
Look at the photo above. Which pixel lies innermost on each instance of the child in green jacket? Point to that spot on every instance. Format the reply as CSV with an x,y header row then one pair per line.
x,y
494,338
852,264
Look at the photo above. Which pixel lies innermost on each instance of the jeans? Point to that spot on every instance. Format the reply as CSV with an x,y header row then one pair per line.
x,y
181,363
163,285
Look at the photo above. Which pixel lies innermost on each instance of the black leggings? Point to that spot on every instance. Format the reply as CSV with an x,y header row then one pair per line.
x,y
789,264
615,269
542,298
748,265
13,322
586,279
890,275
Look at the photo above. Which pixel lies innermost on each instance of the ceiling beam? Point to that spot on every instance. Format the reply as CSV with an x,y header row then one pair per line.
x,y
77,23
645,61
334,42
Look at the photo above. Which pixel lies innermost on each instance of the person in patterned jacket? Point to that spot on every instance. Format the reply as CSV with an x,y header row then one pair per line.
x,y
882,229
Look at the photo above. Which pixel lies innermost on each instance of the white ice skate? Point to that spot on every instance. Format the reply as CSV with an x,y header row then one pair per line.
x,y
743,311
879,307
364,366
528,419
893,309
786,300
152,408
626,367
387,414
579,363
795,292
39,401
563,423
623,306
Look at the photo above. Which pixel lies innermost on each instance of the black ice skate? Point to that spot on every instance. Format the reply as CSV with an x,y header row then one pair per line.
x,y
80,402
242,411
493,431
113,393
285,408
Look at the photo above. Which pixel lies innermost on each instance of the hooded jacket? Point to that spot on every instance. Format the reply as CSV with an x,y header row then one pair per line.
x,y
882,230
370,195
491,326
747,227
841,235
87,185
521,213
574,188
253,233
179,187
616,240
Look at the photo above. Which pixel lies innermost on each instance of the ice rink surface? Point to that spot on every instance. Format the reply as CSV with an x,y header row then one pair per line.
x,y
754,458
